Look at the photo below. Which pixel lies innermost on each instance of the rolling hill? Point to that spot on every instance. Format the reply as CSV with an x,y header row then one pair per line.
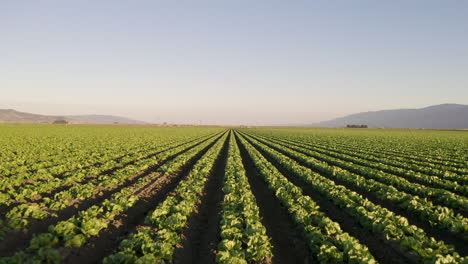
x,y
444,116
13,116
106,119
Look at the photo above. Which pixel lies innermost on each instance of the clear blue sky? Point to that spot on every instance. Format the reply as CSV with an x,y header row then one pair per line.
x,y
231,62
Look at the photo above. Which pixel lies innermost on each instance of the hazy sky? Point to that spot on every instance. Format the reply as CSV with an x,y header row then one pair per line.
x,y
231,62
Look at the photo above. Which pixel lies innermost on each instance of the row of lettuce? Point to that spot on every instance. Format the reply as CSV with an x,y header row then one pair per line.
x,y
439,207
326,239
420,162
400,163
328,243
386,167
78,229
41,152
157,238
88,155
376,219
243,236
19,216
406,149
83,187
416,200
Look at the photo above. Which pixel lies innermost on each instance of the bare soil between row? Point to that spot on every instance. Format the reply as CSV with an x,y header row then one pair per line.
x,y
19,240
150,196
456,241
383,252
202,235
287,238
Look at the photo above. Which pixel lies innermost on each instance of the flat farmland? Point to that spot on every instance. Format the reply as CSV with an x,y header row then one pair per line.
x,y
116,194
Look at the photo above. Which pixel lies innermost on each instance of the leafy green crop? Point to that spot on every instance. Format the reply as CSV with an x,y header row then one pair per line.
x,y
79,184
373,217
244,238
157,240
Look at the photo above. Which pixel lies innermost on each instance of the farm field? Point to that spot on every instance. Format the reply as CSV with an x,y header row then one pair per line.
x,y
115,194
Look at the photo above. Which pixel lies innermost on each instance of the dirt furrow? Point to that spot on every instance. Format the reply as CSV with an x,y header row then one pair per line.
x,y
383,252
371,165
202,235
40,197
150,196
17,240
456,241
287,238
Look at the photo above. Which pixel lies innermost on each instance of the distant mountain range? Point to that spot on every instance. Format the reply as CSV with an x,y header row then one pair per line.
x,y
444,116
13,116
105,119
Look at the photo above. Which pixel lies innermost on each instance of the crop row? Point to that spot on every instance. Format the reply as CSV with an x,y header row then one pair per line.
x,y
443,180
326,239
441,217
46,151
18,217
419,156
65,167
155,241
444,197
409,147
35,190
410,163
75,231
374,218
243,236
56,153
438,216
93,156
64,164
143,195
428,166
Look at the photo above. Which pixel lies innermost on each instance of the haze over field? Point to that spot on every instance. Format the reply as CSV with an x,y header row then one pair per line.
x,y
236,62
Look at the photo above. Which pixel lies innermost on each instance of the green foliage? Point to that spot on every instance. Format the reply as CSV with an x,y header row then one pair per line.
x,y
243,237
75,231
420,172
156,242
373,217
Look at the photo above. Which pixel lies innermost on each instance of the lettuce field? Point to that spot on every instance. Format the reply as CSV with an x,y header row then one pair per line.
x,y
115,194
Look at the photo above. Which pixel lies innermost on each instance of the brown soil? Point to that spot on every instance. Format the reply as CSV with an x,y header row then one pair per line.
x,y
456,241
39,197
330,153
202,235
18,240
383,252
109,239
289,243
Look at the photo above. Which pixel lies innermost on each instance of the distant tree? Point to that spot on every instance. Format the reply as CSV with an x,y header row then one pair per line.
x,y
60,122
356,126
